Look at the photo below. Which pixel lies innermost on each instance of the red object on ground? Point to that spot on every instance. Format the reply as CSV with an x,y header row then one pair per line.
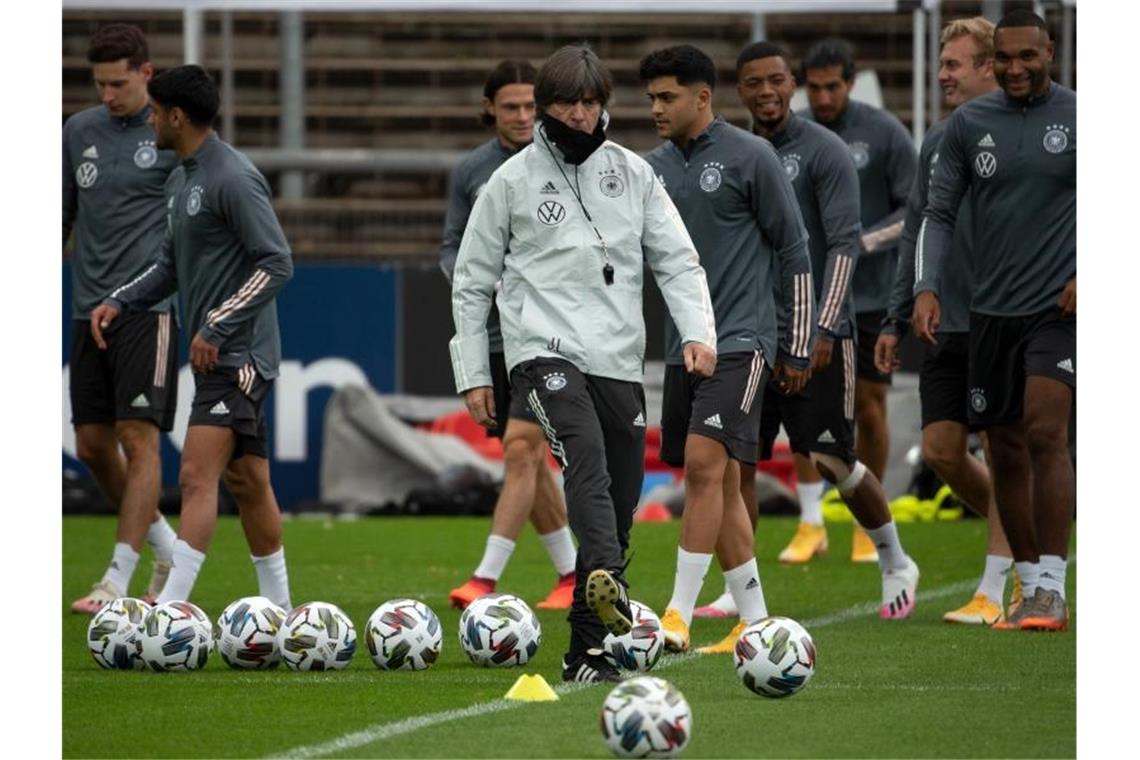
x,y
653,511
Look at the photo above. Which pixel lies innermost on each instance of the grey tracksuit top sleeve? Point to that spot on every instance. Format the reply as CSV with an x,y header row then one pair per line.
x,y
230,257
956,293
113,201
1018,161
826,184
467,180
885,159
741,212
528,230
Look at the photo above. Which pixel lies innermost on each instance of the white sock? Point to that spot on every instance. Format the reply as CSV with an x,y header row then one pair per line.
x,y
161,538
495,557
1030,572
811,502
993,579
560,547
187,562
725,602
744,584
1052,576
891,554
273,578
122,567
691,569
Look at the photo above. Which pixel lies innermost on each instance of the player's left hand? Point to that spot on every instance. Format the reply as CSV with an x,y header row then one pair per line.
x,y
699,359
203,355
789,379
1068,299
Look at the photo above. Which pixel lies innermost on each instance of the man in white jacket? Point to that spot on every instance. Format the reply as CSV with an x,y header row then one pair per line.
x,y
564,229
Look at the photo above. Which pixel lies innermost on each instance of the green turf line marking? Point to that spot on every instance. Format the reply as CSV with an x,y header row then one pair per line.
x,y
382,731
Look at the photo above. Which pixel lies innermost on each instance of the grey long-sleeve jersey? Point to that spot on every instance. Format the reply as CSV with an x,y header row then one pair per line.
x,y
467,180
956,284
225,252
826,184
113,200
884,155
741,213
1019,159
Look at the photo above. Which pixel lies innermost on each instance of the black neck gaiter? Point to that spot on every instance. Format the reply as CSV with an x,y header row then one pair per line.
x,y
575,145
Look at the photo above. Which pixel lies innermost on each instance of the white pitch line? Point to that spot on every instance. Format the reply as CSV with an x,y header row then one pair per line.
x,y
382,731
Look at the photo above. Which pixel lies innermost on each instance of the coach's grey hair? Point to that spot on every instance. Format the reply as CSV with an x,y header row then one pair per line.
x,y
573,72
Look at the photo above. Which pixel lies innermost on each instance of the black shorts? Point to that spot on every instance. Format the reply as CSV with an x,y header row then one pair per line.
x,y
867,326
1005,350
232,397
944,380
819,418
136,378
501,388
724,407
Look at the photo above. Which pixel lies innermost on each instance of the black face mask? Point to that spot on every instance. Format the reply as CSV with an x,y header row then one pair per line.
x,y
575,145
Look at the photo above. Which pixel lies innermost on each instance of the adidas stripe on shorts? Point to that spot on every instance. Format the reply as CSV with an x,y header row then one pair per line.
x,y
233,397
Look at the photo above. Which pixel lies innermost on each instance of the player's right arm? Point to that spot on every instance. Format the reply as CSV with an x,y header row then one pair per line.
x,y
836,183
478,266
156,283
458,212
70,193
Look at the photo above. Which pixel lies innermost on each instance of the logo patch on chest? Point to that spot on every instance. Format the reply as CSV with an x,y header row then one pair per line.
x,y
791,164
1056,138
860,153
86,174
711,176
146,155
985,164
611,184
194,200
551,213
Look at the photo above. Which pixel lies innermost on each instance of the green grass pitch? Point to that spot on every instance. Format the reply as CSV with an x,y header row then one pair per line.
x,y
914,688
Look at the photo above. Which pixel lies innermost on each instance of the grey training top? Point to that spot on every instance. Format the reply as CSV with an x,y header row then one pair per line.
x,y
112,198
956,285
225,252
884,154
827,190
1020,160
741,213
467,180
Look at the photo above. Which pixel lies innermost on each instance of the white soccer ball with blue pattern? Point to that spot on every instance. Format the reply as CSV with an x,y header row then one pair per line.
x,y
403,634
775,657
641,648
317,636
499,630
646,717
176,636
114,631
247,633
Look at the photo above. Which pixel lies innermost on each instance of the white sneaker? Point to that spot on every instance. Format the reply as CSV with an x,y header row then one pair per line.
x,y
898,591
157,581
101,593
721,607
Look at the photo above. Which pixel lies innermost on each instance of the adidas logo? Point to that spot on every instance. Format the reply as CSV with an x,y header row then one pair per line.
x,y
91,152
220,408
639,420
1066,365
826,437
987,141
549,189
752,583
714,421
140,401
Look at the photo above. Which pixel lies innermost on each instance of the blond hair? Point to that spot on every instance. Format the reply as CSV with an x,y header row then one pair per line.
x,y
979,29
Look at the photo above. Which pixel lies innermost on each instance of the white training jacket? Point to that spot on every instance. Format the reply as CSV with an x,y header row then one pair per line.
x,y
528,231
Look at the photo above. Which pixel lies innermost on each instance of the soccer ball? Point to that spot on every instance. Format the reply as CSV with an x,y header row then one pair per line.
x,y
646,717
403,634
775,657
499,630
113,634
247,633
640,649
176,636
317,636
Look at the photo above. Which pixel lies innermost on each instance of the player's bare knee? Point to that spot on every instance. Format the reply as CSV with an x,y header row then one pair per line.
x,y
1045,434
940,455
138,438
846,478
522,456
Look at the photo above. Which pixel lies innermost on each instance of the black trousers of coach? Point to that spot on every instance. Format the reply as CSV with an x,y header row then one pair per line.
x,y
596,429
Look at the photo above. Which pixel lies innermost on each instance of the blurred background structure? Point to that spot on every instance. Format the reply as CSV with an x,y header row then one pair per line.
x,y
356,111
